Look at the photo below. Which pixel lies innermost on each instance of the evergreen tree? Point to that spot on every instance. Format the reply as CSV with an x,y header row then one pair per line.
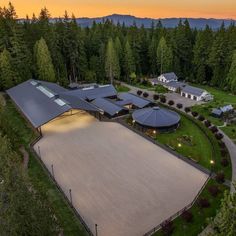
x,y
231,78
164,56
8,76
129,65
45,69
201,52
217,58
224,222
112,63
152,54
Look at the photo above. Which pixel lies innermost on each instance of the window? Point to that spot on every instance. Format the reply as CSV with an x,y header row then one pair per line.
x,y
45,91
33,82
60,102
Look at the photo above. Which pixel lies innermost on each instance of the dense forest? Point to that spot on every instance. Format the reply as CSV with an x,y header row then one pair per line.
x,y
62,51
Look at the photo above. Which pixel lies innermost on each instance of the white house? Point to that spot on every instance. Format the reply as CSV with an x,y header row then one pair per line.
x,y
195,93
167,77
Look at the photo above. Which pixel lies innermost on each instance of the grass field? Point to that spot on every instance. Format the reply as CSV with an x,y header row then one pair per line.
x,y
41,182
200,216
121,88
199,148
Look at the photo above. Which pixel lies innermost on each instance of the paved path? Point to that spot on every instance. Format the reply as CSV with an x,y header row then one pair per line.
x,y
232,151
169,96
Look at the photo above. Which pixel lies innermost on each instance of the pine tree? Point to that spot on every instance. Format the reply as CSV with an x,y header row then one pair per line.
x,y
112,66
45,69
201,52
152,54
224,222
217,58
231,78
164,56
129,65
8,76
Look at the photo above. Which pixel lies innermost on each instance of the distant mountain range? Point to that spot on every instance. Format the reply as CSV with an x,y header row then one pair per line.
x,y
128,20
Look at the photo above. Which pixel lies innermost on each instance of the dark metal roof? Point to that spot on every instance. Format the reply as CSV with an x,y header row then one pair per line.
x,y
176,84
35,104
107,106
53,86
137,101
92,93
156,117
170,76
123,102
78,103
40,102
217,112
193,90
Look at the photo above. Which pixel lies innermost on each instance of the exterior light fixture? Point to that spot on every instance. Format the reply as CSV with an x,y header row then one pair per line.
x,y
179,145
154,131
212,162
133,121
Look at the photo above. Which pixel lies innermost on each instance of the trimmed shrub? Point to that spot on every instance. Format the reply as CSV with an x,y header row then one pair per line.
x,y
139,92
194,113
203,203
220,177
167,227
207,123
222,144
201,118
223,152
219,136
171,103
179,105
224,162
187,216
213,190
163,99
145,94
156,97
214,129
187,109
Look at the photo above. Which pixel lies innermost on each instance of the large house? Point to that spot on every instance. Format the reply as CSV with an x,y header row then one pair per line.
x,y
167,77
195,93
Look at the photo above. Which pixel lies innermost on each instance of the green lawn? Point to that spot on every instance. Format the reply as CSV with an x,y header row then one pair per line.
x,y
199,148
161,89
221,98
40,180
121,88
200,216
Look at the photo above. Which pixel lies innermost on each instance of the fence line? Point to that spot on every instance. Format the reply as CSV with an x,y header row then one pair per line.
x,y
69,202
171,218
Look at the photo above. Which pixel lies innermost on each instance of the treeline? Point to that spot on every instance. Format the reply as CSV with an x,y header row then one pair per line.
x,y
62,51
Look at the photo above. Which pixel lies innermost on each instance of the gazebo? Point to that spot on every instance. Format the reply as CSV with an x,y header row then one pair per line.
x,y
156,118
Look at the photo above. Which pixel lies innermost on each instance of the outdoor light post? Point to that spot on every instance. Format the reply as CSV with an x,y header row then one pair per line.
x,y
52,171
96,230
70,196
212,163
155,132
39,152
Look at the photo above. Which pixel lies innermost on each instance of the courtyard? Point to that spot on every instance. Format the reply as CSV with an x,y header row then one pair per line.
x,y
119,180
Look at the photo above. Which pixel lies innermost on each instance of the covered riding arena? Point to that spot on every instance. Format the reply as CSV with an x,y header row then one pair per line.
x,y
119,180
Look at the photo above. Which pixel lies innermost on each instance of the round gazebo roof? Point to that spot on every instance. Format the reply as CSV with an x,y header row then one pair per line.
x,y
156,117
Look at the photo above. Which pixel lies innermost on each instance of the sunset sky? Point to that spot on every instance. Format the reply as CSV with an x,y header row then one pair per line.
x,y
141,8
